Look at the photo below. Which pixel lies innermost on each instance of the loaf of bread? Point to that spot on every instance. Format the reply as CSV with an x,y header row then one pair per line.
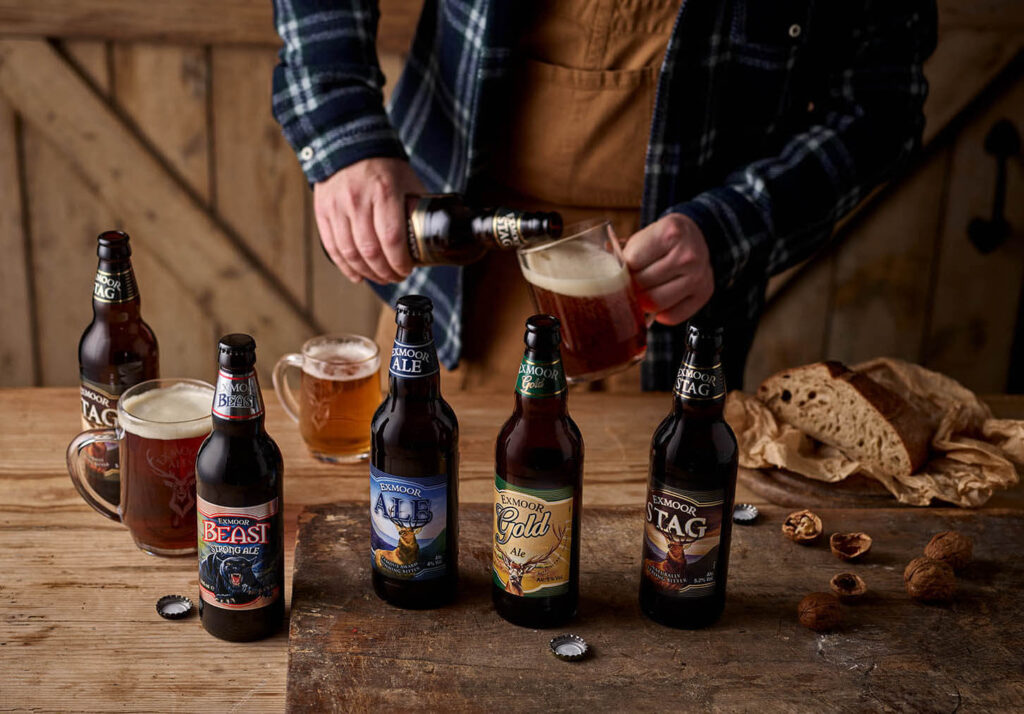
x,y
851,412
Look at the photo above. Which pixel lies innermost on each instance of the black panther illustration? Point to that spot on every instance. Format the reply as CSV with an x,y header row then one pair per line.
x,y
231,578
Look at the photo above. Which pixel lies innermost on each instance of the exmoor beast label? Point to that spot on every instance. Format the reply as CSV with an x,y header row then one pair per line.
x,y
237,396
681,540
240,554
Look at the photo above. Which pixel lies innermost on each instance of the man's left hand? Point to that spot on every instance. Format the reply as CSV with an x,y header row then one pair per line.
x,y
671,265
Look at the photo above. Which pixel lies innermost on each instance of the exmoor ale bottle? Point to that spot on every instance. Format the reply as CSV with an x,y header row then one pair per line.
x,y
239,507
538,486
690,494
414,472
445,231
116,351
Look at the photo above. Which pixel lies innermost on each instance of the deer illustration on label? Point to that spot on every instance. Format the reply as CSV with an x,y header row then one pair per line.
x,y
516,570
681,540
407,525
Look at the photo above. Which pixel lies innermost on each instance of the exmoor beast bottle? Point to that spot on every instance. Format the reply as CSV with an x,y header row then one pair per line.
x,y
690,493
238,489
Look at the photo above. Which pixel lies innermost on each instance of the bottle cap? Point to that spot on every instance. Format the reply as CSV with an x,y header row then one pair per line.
x,y
174,607
745,514
415,304
569,647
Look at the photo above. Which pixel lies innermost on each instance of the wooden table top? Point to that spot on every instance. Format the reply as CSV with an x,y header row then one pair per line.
x,y
78,628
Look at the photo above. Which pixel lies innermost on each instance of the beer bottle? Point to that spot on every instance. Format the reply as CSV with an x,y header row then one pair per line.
x,y
690,494
443,230
117,350
238,500
414,472
538,483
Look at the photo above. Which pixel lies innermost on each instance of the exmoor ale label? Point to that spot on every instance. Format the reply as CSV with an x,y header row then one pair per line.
x,y
700,383
413,361
681,539
237,396
506,226
240,554
115,288
408,525
532,539
537,380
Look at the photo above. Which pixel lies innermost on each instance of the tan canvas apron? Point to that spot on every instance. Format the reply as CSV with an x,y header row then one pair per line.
x,y
580,105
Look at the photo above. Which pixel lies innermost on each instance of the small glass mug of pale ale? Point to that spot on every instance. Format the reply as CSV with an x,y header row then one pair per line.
x,y
338,394
583,280
161,423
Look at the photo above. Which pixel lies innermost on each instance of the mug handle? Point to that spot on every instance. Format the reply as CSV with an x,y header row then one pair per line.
x,y
77,471
284,393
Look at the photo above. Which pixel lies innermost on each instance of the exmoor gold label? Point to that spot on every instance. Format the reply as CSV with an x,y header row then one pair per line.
x,y
538,380
532,539
700,383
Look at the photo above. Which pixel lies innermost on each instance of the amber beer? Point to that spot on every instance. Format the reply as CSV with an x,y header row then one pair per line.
x,y
584,281
538,486
692,484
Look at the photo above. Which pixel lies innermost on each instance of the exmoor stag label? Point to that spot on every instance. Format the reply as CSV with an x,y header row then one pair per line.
x,y
99,404
237,397
531,539
413,361
99,411
506,226
115,288
700,383
240,566
681,539
540,379
407,525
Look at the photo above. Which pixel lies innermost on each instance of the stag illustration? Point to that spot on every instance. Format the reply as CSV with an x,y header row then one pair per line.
x,y
177,472
408,550
674,564
516,571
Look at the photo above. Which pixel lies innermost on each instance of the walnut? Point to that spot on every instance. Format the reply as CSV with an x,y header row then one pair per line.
x,y
929,580
848,586
820,611
850,546
802,526
951,547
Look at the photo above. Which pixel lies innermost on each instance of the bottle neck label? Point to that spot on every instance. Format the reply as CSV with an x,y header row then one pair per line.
x,y
240,554
413,361
540,380
507,229
114,288
408,526
238,396
416,210
699,381
532,539
682,534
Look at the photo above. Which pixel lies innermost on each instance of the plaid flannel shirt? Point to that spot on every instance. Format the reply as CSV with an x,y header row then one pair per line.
x,y
772,120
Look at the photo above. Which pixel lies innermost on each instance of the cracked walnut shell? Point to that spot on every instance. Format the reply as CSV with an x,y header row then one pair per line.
x,y
802,527
951,547
848,586
850,546
929,580
820,611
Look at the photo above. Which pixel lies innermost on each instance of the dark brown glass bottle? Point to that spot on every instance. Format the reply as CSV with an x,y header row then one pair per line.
x,y
117,350
443,230
690,493
414,472
538,485
239,503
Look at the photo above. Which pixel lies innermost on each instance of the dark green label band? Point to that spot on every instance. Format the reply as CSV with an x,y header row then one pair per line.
x,y
539,380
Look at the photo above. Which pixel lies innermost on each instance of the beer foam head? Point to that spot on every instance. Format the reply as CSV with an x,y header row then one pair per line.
x,y
180,411
340,361
576,268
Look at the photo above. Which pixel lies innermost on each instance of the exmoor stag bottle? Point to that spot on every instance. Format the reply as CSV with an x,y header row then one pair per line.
x,y
538,484
690,494
238,489
443,230
116,351
414,472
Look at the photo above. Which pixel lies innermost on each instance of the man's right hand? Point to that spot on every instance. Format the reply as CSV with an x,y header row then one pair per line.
x,y
360,213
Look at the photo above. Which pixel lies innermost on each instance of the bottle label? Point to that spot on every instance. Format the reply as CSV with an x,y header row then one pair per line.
x,y
99,404
416,210
413,361
681,540
698,383
240,555
532,539
115,288
100,459
506,226
538,380
238,396
408,518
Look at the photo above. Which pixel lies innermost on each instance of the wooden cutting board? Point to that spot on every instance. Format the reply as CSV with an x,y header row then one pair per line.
x,y
350,651
785,488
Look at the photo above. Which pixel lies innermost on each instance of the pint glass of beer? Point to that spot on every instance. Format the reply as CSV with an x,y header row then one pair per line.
x,y
583,280
161,424
338,393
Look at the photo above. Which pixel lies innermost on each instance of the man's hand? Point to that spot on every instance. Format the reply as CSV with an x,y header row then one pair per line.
x,y
671,265
360,212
